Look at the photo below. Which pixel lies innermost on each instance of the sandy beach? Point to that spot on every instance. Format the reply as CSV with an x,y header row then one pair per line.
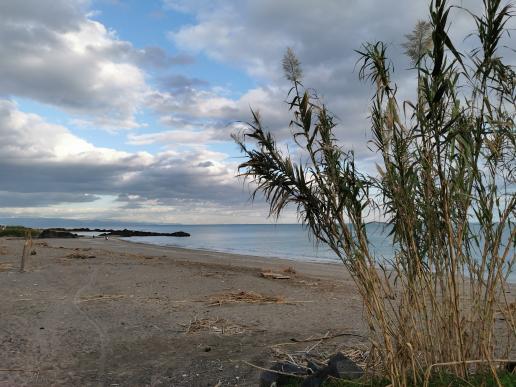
x,y
111,312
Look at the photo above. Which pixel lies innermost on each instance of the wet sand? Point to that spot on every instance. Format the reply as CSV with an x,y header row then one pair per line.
x,y
112,312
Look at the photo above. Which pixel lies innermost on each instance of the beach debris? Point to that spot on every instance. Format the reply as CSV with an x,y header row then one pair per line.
x,y
244,297
5,266
281,374
42,244
339,367
214,325
289,270
315,366
272,275
33,252
327,336
102,297
80,256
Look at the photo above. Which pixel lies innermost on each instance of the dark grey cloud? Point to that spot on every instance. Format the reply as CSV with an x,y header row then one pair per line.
x,y
41,199
155,56
178,81
58,15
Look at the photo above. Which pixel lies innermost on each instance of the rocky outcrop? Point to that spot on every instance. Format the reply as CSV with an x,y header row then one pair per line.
x,y
132,233
52,233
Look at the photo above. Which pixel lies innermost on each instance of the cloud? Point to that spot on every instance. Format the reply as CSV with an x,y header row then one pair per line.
x,y
179,82
44,164
154,56
53,53
253,35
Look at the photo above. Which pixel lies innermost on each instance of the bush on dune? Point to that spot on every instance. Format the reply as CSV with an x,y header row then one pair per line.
x,y
18,231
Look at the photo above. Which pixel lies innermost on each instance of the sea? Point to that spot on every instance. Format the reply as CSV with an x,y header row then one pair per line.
x,y
289,241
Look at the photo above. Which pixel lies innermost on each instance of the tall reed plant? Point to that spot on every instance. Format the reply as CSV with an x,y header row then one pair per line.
x,y
445,184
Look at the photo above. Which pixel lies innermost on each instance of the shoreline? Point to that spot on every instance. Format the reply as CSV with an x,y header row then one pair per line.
x,y
206,256
241,254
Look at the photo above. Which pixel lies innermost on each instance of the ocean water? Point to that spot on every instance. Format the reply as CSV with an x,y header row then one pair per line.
x,y
290,241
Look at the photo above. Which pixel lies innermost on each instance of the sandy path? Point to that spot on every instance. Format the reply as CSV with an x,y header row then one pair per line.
x,y
120,318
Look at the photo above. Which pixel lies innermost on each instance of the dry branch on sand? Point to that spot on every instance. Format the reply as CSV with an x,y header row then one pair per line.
x,y
80,256
5,266
102,297
272,275
304,353
244,297
214,325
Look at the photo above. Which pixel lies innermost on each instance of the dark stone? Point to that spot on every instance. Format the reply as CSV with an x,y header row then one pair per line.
x,y
339,366
131,233
51,233
268,378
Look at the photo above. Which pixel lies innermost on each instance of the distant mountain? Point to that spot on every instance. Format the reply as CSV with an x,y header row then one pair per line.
x,y
71,223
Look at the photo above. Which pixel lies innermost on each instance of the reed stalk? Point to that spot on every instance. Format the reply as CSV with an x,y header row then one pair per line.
x,y
445,185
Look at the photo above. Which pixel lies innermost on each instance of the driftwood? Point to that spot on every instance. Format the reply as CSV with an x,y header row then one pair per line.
x,y
270,274
326,337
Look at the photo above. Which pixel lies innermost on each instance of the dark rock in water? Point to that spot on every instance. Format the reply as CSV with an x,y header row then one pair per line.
x,y
52,233
339,366
269,378
131,233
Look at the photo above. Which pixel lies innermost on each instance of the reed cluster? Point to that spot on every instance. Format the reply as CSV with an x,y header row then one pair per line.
x,y
445,184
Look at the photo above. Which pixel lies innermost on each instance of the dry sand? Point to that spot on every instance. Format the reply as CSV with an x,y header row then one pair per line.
x,y
111,312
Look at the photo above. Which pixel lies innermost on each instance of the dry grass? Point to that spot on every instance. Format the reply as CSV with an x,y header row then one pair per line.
x,y
102,297
319,354
272,275
5,267
244,297
218,326
289,270
80,256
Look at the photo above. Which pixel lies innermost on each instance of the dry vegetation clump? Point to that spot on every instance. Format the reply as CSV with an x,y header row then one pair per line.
x,y
289,270
102,297
244,297
5,266
214,325
272,275
80,256
446,174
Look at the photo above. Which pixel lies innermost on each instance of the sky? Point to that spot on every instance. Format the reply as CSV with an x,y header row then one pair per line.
x,y
123,109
